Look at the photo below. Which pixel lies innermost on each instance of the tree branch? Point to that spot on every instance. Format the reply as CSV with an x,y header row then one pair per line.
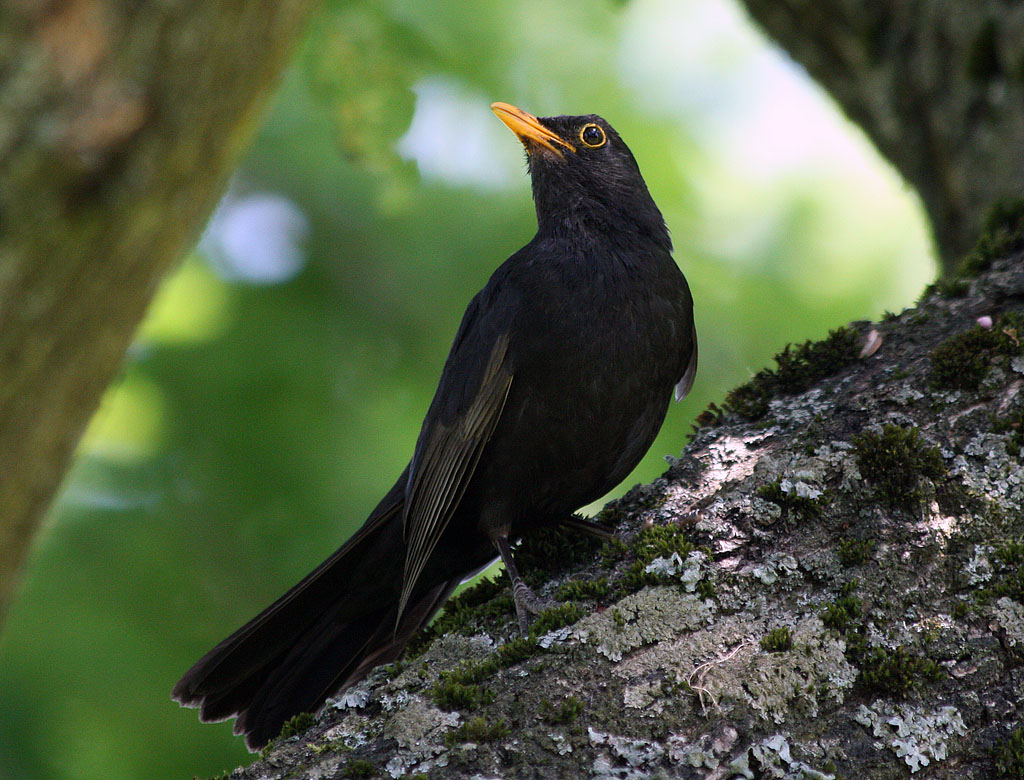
x,y
120,124
937,85
828,583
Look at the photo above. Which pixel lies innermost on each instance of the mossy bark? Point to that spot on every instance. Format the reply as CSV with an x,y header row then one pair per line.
x,y
119,124
938,85
832,586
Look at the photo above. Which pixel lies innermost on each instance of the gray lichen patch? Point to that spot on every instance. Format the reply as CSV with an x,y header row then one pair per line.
x,y
772,758
1009,616
919,738
651,615
987,468
446,652
775,567
614,750
781,686
354,731
730,668
419,730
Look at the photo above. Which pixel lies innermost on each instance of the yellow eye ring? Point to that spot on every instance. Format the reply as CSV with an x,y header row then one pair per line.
x,y
593,136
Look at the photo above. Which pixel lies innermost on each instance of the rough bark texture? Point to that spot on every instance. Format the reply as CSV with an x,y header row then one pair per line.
x,y
938,85
118,126
829,582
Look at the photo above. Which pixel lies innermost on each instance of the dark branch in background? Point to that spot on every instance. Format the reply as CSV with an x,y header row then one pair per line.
x,y
937,85
120,124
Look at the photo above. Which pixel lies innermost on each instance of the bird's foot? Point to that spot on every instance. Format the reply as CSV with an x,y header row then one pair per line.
x,y
528,604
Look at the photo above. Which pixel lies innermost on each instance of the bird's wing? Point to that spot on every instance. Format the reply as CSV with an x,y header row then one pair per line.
x,y
686,381
447,455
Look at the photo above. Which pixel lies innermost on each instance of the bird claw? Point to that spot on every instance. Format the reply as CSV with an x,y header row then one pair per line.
x,y
528,604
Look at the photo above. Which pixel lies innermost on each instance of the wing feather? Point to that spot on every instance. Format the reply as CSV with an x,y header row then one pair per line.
x,y
686,382
444,469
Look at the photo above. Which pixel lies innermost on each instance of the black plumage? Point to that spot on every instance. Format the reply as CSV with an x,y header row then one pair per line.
x,y
556,384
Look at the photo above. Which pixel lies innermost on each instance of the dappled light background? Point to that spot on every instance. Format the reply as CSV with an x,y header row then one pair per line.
x,y
276,388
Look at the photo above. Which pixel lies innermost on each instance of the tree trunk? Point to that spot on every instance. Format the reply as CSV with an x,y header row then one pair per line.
x,y
938,85
120,126
828,583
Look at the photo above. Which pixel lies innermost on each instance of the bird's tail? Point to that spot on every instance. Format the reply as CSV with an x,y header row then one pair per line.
x,y
323,635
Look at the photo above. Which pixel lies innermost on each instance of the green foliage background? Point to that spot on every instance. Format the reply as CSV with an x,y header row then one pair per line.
x,y
254,425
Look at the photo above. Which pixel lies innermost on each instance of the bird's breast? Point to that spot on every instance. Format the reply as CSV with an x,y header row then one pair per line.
x,y
595,355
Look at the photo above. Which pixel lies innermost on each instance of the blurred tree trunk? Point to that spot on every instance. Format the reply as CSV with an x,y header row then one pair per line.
x,y
938,85
828,583
119,124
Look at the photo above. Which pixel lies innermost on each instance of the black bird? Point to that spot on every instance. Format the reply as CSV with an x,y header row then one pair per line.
x,y
557,383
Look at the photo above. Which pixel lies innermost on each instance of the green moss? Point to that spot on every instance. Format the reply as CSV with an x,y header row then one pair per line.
x,y
1010,554
658,541
961,609
891,672
464,613
705,590
855,552
566,712
1009,756
515,651
778,640
895,461
359,768
798,368
508,654
296,725
477,730
450,694
843,613
711,416
962,361
548,550
953,286
618,619
613,551
793,506
1008,572
661,541
554,618
894,672
1002,235
577,590
460,688
983,62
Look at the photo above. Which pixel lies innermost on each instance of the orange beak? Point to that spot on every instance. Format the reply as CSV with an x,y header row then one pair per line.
x,y
528,128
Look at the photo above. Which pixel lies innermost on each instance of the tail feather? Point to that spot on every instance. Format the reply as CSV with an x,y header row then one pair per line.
x,y
305,678
329,659
325,634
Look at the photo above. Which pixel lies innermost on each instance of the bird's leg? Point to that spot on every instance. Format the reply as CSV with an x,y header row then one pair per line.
x,y
527,602
588,526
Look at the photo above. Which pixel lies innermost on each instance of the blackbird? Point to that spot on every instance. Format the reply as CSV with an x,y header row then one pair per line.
x,y
557,382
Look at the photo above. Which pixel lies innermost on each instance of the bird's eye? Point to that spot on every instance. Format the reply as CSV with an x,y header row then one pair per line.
x,y
593,136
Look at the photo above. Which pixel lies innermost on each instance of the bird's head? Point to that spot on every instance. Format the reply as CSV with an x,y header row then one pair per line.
x,y
584,175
